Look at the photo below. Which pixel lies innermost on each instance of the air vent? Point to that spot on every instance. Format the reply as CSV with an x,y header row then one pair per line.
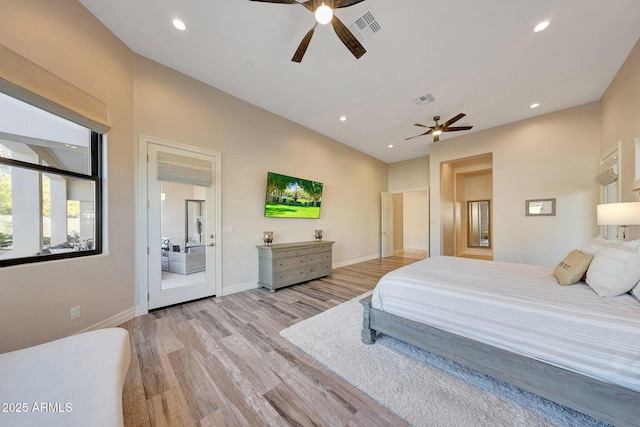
x,y
365,26
425,99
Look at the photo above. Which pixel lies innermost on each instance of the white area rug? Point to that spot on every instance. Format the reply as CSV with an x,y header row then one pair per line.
x,y
422,388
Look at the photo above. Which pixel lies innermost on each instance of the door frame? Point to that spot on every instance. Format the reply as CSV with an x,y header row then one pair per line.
x,y
141,250
386,199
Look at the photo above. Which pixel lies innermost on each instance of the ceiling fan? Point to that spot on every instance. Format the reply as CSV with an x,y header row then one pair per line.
x,y
438,129
324,15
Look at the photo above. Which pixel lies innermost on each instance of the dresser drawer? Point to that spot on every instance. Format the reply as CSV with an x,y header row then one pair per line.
x,y
321,257
288,263
319,270
294,252
289,277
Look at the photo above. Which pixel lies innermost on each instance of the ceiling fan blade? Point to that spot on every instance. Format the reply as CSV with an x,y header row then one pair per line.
x,y
304,44
436,138
337,4
348,38
422,134
455,128
453,120
309,4
425,126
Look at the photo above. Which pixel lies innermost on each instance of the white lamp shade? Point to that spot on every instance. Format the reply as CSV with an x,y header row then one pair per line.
x,y
619,213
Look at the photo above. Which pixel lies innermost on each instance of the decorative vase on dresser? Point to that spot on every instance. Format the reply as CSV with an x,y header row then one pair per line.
x,y
291,263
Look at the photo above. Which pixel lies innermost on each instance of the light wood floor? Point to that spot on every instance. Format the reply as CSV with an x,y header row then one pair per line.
x,y
221,361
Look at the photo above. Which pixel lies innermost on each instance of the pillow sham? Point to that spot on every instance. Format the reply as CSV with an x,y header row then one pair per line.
x,y
572,268
593,246
615,270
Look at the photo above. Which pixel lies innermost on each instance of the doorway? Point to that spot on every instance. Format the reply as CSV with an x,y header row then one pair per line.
x,y
181,223
405,224
466,207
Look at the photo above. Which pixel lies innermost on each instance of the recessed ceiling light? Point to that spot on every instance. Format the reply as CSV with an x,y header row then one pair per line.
x,y
541,26
343,118
534,105
179,25
390,145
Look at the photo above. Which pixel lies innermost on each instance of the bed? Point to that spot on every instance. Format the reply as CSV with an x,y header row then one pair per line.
x,y
515,323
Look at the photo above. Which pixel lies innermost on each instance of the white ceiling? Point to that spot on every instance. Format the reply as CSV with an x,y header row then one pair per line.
x,y
481,58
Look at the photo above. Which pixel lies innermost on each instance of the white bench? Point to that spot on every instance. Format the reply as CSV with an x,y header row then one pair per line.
x,y
73,381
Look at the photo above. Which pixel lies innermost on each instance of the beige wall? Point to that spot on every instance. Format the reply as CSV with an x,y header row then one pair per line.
x,y
398,223
252,142
65,39
621,122
409,175
415,220
554,155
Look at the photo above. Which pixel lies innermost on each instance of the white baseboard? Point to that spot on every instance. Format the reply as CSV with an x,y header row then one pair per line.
x,y
240,287
113,321
355,261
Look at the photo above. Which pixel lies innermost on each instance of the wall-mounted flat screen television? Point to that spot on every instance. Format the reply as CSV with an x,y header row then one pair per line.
x,y
290,197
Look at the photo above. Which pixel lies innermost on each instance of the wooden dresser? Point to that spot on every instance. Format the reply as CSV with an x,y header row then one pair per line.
x,y
290,263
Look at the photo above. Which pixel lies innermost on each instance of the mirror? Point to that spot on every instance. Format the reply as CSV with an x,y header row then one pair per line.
x,y
478,214
540,207
193,224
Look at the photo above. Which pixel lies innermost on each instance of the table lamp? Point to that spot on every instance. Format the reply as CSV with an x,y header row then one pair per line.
x,y
621,214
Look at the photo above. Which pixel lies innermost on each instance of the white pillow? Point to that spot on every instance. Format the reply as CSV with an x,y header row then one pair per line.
x,y
615,269
593,246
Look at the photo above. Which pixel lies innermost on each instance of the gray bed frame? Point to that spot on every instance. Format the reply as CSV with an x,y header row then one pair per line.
x,y
613,404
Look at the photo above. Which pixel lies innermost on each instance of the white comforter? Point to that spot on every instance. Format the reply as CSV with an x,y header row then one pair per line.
x,y
522,309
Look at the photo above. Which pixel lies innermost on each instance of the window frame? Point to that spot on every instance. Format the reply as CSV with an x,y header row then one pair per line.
x,y
95,175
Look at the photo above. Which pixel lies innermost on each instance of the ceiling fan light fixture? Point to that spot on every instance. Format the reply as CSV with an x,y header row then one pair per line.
x,y
437,132
324,14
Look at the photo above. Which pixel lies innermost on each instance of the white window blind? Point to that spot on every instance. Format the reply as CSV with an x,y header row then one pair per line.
x,y
28,82
187,170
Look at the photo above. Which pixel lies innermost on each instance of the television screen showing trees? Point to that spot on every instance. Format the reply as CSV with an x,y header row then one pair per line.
x,y
289,197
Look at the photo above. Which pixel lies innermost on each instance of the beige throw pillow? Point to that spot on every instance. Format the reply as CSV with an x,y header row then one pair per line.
x,y
572,268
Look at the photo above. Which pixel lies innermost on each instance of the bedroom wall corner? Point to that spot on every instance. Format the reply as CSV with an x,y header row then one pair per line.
x,y
620,109
550,156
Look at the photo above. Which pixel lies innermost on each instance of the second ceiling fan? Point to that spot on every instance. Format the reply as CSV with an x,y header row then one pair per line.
x,y
445,127
324,15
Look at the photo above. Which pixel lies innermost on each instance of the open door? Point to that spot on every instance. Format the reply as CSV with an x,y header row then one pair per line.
x,y
386,228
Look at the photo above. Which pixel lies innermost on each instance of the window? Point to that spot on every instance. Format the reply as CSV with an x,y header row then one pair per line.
x,y
50,186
